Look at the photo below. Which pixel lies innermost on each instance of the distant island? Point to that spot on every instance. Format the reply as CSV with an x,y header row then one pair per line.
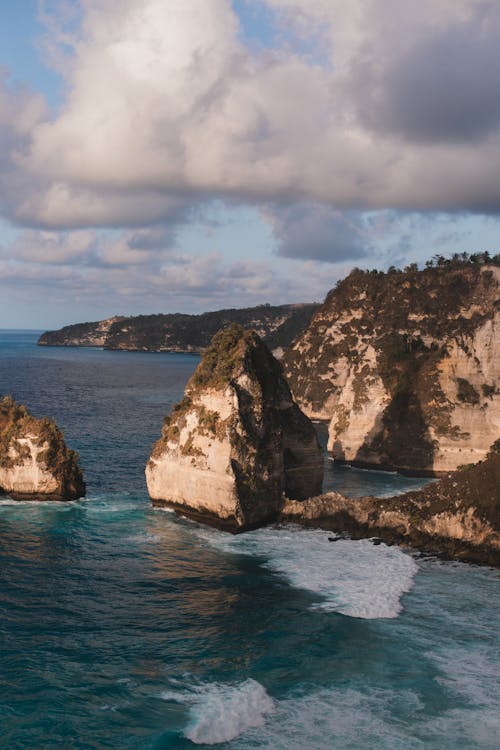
x,y
277,325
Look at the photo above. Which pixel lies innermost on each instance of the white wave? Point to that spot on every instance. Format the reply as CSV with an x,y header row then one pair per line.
x,y
471,672
339,718
355,578
351,719
219,712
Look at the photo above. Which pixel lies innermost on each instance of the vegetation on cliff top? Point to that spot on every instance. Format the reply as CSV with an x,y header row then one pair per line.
x,y
411,318
277,325
476,486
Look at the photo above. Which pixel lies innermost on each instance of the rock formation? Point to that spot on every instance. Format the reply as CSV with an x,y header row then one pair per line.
x,y
405,366
81,334
278,326
237,441
35,463
457,517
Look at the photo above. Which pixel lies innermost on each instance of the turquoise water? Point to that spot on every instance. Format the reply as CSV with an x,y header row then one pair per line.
x,y
128,627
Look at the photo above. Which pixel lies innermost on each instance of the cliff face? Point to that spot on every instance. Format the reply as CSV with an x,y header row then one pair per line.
x,y
35,462
458,517
80,334
278,326
405,366
237,441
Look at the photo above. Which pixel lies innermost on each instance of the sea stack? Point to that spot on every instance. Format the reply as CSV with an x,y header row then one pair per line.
x,y
405,366
35,462
237,443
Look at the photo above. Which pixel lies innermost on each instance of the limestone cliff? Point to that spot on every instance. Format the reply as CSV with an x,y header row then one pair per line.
x,y
80,334
405,366
237,441
457,517
35,462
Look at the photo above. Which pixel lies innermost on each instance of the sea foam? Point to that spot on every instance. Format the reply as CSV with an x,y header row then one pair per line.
x,y
220,712
355,578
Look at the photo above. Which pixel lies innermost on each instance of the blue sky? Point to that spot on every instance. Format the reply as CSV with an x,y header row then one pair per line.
x,y
158,156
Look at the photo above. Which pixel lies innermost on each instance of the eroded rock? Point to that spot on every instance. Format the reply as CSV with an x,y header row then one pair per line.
x,y
35,463
457,517
237,442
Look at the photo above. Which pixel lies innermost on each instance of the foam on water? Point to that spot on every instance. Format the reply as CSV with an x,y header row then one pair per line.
x,y
219,712
338,718
472,673
352,719
355,578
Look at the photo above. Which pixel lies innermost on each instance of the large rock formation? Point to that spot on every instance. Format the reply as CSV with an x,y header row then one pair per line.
x,y
457,517
237,441
177,332
35,463
405,366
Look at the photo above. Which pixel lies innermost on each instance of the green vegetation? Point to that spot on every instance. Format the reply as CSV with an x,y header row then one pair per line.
x,y
410,317
221,359
278,325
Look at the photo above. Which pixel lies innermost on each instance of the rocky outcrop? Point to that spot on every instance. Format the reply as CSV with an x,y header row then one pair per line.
x,y
80,334
405,366
278,326
35,463
457,517
237,442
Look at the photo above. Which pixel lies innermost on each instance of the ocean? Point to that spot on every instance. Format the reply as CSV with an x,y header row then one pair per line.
x,y
130,628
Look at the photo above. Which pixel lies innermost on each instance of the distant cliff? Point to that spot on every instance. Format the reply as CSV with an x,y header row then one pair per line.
x,y
457,517
277,326
237,441
35,462
405,366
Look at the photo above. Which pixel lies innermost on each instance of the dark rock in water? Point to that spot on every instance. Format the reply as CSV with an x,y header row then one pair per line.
x,y
35,463
457,517
237,442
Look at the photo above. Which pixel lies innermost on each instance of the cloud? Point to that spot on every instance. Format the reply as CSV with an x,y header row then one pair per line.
x,y
440,87
317,232
165,103
52,247
96,271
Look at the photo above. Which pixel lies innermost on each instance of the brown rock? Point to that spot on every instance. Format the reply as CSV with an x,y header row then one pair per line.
x,y
237,442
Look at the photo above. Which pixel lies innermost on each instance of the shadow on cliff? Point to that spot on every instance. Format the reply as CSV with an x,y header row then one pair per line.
x,y
402,441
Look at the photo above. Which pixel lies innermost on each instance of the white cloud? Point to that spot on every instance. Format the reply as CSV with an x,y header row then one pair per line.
x,y
165,103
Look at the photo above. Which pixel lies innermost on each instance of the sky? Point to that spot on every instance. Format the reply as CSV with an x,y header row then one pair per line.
x,y
190,155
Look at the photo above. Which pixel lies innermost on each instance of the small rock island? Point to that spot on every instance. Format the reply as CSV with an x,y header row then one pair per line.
x,y
35,462
237,443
